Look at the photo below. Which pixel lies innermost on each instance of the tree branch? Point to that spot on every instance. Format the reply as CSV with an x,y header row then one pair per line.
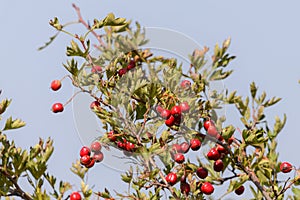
x,y
17,191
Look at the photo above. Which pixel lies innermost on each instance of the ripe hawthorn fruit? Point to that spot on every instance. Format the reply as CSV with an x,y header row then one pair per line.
x,y
94,105
213,154
218,165
195,144
184,106
176,111
207,124
91,164
179,158
55,85
111,136
98,156
85,151
202,172
170,121
165,114
57,107
122,71
185,188
185,147
129,146
171,178
239,190
131,65
85,160
286,167
212,131
75,196
96,146
185,84
207,188
221,149
176,148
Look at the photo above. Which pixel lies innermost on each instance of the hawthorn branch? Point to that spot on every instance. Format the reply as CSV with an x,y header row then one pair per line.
x,y
17,191
80,19
164,179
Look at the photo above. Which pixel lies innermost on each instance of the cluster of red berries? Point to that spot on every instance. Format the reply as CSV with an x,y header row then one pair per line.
x,y
173,116
121,143
124,70
56,107
178,150
205,187
89,160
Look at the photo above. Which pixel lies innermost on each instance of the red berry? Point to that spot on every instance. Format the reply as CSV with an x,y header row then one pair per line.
x,y
176,111
159,109
91,164
185,84
213,154
96,69
176,148
171,178
184,147
185,188
218,165
55,85
286,167
111,136
207,124
75,196
171,121
184,106
57,107
179,158
98,156
131,65
129,146
121,145
96,146
85,151
94,104
221,149
212,131
207,188
85,160
123,71
195,144
202,172
165,114
240,190
178,120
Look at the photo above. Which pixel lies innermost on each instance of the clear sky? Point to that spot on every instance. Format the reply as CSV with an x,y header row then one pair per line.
x,y
265,39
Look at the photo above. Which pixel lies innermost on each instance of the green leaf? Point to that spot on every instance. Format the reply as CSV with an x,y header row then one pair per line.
x,y
13,124
51,39
253,89
4,104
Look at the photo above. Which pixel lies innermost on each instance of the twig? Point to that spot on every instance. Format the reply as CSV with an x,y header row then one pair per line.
x,y
80,19
164,179
17,191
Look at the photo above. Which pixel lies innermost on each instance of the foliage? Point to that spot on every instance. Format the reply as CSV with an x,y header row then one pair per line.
x,y
130,87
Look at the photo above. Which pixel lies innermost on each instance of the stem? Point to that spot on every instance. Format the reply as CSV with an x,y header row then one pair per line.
x,y
80,19
18,190
164,180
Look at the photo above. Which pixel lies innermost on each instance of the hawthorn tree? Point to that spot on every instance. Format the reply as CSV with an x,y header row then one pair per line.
x,y
159,113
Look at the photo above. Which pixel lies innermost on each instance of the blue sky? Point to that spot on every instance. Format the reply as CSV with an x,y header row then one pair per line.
x,y
265,39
